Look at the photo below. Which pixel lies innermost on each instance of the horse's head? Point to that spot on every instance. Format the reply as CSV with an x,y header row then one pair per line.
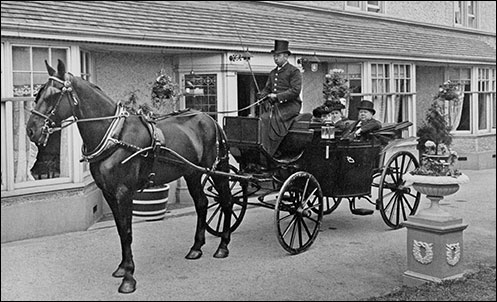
x,y
53,104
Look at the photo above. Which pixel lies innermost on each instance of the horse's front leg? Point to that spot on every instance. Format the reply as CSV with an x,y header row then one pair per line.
x,y
200,201
121,206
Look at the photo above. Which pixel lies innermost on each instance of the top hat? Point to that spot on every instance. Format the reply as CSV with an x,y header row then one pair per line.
x,y
280,46
367,105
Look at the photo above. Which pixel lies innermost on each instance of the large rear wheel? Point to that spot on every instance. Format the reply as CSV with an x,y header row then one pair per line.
x,y
298,212
396,201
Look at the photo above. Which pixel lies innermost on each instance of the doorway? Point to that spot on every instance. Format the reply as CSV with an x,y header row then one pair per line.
x,y
247,92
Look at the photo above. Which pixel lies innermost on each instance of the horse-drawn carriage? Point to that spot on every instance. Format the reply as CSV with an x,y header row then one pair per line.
x,y
127,152
316,172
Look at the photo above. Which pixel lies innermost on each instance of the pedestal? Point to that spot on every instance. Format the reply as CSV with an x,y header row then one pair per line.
x,y
434,245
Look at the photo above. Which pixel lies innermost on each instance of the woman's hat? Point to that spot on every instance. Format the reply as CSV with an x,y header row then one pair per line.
x,y
280,46
367,105
320,111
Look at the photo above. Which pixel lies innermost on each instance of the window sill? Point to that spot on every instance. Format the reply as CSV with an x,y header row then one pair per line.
x,y
48,189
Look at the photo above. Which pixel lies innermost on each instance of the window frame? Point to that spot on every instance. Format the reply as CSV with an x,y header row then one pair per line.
x,y
467,19
391,96
365,6
76,176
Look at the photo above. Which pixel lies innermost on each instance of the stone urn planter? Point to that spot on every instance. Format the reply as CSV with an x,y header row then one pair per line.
x,y
435,188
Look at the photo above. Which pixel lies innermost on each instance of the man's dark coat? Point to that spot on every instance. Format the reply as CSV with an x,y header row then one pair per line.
x,y
286,83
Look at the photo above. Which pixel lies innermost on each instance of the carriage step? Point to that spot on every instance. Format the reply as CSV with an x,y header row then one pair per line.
x,y
362,211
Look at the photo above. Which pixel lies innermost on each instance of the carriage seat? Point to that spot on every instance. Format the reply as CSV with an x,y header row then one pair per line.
x,y
299,136
391,131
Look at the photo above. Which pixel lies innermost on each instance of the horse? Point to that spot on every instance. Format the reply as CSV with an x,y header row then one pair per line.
x,y
121,150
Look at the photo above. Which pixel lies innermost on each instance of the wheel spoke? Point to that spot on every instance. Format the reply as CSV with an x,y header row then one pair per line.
x,y
306,228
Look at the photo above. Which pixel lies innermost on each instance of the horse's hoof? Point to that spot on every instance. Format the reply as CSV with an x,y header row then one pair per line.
x,y
221,253
127,286
194,254
118,273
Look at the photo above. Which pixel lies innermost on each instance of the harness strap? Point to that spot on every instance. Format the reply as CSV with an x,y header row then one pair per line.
x,y
109,139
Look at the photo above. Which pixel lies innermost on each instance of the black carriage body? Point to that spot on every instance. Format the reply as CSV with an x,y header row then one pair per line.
x,y
342,168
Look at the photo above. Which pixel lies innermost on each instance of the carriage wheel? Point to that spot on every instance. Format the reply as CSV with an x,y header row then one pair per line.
x,y
298,212
395,200
215,216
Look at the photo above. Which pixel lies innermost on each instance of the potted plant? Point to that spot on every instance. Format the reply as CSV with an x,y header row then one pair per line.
x,y
336,92
437,175
151,203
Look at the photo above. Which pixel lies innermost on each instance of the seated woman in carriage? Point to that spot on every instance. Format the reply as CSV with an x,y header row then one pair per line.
x,y
331,113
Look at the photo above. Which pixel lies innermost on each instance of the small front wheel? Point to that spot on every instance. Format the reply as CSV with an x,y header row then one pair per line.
x,y
215,216
298,212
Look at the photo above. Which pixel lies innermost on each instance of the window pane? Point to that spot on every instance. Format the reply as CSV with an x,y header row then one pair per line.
x,y
58,53
464,122
24,150
482,112
38,80
22,84
353,3
21,59
39,57
494,115
204,94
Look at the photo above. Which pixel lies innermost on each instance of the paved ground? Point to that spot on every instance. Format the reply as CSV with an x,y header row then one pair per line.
x,y
353,258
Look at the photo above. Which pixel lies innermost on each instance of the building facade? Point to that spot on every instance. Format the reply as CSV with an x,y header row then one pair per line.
x,y
395,53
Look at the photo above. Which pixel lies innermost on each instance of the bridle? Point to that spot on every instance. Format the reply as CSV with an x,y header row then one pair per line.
x,y
50,126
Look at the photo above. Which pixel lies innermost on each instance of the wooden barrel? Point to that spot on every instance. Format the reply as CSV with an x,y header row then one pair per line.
x,y
151,204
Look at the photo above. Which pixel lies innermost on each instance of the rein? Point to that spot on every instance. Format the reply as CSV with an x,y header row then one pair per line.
x,y
244,108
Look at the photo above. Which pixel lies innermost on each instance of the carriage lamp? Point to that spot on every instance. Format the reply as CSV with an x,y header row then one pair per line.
x,y
327,133
314,61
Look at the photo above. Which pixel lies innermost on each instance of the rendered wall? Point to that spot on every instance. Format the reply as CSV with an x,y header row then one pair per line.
x,y
50,213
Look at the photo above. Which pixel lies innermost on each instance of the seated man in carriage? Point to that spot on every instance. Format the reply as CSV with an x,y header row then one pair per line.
x,y
365,125
283,93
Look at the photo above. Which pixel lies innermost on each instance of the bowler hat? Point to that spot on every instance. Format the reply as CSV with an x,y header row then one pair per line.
x,y
280,46
367,105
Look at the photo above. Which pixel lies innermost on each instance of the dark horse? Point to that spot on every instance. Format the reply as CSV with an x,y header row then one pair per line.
x,y
112,140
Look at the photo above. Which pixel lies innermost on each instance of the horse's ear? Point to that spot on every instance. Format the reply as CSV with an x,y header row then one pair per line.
x,y
50,70
61,69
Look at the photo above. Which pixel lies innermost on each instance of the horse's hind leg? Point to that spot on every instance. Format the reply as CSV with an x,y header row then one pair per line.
x,y
196,191
121,207
222,186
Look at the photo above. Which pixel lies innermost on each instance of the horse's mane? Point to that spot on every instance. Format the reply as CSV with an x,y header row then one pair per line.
x,y
97,88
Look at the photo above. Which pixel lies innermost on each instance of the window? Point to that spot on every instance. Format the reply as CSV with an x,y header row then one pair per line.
x,y
28,161
486,99
201,92
460,113
380,87
391,90
353,74
368,6
465,13
85,62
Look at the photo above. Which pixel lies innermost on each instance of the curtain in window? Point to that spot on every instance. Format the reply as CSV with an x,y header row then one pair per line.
x,y
453,111
24,150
